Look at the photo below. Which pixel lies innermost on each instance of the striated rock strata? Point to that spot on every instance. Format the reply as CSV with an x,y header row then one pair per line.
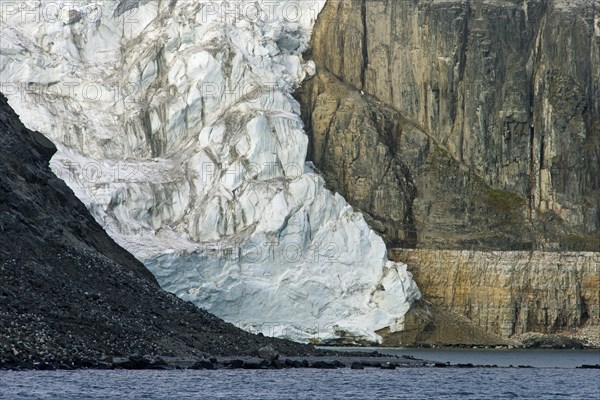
x,y
511,292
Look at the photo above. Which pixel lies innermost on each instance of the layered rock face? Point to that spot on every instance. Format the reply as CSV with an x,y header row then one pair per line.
x,y
469,125
511,292
176,127
499,96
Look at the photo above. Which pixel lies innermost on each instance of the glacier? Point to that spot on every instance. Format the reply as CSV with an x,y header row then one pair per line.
x,y
177,128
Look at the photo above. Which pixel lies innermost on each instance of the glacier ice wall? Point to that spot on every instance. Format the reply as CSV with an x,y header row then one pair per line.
x,y
176,127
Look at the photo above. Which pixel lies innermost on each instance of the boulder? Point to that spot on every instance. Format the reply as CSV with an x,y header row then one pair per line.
x,y
268,353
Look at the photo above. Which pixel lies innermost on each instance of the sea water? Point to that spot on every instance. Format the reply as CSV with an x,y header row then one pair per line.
x,y
553,378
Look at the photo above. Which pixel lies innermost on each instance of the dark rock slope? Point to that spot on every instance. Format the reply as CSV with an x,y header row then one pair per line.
x,y
68,292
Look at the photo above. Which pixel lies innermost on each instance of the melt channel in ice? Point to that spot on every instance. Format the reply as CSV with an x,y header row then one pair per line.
x,y
176,126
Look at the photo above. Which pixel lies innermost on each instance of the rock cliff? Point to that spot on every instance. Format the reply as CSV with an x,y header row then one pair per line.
x,y
483,116
469,125
511,292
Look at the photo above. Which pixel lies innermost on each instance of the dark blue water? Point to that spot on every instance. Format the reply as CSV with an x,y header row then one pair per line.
x,y
556,379
499,357
406,383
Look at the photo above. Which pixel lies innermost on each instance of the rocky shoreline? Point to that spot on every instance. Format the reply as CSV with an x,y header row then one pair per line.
x,y
355,362
275,361
529,340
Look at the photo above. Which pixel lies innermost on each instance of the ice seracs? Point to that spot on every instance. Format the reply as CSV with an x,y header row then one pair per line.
x,y
177,128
